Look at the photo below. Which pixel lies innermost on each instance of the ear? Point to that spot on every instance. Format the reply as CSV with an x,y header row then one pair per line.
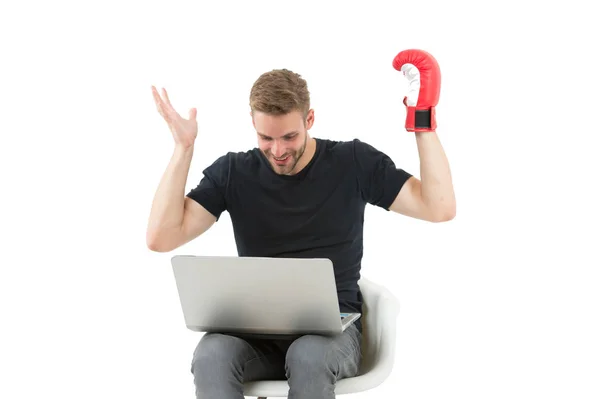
x,y
310,118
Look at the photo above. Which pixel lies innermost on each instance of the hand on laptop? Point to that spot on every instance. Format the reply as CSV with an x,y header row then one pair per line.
x,y
184,130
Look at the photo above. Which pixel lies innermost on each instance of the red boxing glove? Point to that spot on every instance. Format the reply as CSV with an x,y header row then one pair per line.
x,y
423,74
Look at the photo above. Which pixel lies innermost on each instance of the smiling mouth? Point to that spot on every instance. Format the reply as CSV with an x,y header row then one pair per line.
x,y
281,160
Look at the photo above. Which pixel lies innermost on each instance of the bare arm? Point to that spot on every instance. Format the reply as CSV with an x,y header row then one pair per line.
x,y
175,219
432,199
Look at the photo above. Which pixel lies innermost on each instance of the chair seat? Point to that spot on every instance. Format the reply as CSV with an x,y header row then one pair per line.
x,y
380,311
279,389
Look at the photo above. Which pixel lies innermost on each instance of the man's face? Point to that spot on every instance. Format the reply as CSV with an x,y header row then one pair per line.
x,y
282,139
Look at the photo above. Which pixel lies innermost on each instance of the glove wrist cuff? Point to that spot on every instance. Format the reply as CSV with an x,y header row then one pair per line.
x,y
420,120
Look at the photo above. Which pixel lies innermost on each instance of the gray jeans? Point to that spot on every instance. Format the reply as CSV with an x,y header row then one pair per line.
x,y
311,363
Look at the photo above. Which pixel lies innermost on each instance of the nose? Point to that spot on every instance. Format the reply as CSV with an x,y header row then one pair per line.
x,y
276,150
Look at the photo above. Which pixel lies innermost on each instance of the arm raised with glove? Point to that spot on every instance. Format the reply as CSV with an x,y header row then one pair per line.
x,y
431,198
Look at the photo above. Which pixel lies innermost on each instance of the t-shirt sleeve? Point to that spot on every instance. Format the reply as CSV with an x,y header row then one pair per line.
x,y
212,189
379,179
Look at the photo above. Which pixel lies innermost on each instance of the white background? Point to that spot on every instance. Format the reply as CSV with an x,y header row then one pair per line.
x,y
501,302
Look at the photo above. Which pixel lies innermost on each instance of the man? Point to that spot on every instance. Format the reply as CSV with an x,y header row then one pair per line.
x,y
297,196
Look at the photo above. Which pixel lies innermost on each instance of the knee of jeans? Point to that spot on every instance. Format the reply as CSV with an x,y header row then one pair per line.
x,y
309,350
214,349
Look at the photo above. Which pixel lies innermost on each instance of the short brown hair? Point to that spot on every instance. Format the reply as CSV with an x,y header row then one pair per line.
x,y
279,92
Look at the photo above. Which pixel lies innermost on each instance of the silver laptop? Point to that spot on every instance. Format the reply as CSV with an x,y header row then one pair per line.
x,y
259,296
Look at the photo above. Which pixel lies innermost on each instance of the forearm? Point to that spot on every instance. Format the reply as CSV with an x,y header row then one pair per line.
x,y
168,204
437,189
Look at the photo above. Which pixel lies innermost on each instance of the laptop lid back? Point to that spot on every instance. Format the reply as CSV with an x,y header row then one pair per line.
x,y
257,295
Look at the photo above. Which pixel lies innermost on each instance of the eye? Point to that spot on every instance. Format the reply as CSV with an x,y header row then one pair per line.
x,y
288,138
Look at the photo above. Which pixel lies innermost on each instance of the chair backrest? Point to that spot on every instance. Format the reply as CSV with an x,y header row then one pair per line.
x,y
374,322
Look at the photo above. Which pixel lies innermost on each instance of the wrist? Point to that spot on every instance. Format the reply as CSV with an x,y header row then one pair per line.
x,y
183,150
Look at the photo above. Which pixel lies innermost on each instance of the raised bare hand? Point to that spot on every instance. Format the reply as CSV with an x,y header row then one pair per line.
x,y
184,130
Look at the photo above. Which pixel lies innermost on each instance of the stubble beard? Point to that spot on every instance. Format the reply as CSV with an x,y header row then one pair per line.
x,y
296,155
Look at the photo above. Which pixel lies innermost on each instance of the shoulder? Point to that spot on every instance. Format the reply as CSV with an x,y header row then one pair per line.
x,y
241,160
361,149
368,156
351,153
356,151
353,145
338,148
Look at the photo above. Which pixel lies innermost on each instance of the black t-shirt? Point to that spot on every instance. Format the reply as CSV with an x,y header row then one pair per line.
x,y
316,213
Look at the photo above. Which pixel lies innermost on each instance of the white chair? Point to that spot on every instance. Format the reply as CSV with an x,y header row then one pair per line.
x,y
380,312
